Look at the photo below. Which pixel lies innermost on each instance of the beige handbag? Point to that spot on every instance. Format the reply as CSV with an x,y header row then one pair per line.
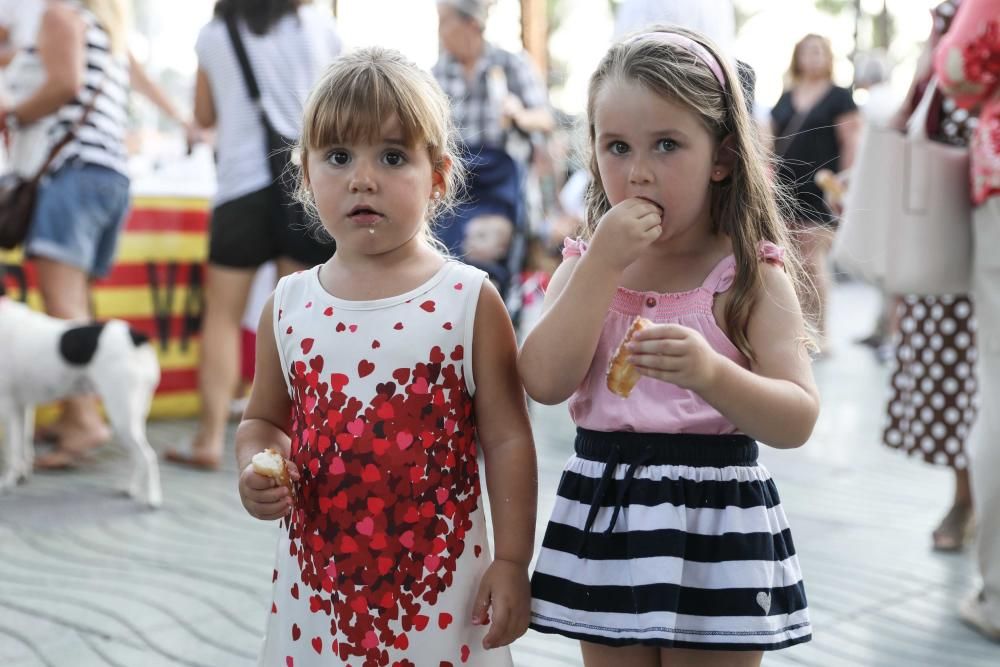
x,y
908,211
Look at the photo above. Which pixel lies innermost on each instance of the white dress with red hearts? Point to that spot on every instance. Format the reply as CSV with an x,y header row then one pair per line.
x,y
380,561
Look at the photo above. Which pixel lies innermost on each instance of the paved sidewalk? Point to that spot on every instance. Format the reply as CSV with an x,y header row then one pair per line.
x,y
91,581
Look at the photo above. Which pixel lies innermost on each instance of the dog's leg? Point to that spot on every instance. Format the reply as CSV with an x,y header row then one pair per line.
x,y
28,452
14,443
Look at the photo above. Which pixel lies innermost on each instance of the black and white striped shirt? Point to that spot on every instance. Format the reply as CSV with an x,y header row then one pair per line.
x,y
101,139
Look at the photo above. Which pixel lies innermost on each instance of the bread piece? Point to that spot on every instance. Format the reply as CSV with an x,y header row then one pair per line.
x,y
622,375
830,184
270,463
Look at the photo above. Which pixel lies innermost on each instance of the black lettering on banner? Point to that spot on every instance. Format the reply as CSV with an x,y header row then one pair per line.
x,y
162,300
194,304
14,273
162,294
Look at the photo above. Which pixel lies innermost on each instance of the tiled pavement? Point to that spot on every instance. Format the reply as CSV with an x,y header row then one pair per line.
x,y
88,580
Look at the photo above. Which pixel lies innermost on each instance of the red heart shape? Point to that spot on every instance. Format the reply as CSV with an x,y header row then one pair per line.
x,y
398,326
406,539
309,304
288,330
375,505
366,526
341,327
306,344
329,311
447,325
384,565
465,653
458,286
420,621
295,591
442,495
477,550
356,427
444,620
365,368
347,544
458,354
402,642
428,306
336,468
346,441
404,440
371,474
352,328
401,375
378,542
338,381
371,640
317,644
289,661
380,446
340,501
296,632
376,345
437,356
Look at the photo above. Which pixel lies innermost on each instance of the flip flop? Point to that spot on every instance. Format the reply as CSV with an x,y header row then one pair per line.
x,y
955,530
195,461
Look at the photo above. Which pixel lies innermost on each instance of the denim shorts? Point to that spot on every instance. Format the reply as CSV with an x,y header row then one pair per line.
x,y
79,215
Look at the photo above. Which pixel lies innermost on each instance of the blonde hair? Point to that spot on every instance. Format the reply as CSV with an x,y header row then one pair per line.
x,y
795,70
355,97
743,206
115,16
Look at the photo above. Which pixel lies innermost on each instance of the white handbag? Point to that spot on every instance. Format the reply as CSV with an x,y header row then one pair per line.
x,y
908,214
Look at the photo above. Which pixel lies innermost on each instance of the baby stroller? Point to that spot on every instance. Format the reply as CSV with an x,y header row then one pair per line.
x,y
488,229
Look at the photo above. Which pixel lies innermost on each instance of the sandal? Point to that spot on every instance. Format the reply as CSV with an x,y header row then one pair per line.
x,y
60,459
955,530
196,461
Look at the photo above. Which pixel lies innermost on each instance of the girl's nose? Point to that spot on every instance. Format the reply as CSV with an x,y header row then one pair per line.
x,y
362,180
639,172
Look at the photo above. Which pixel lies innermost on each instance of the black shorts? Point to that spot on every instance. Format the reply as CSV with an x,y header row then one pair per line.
x,y
257,227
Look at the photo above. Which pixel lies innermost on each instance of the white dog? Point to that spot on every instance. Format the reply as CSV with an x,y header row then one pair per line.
x,y
43,359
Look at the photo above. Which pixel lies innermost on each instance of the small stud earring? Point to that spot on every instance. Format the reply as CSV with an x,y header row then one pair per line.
x,y
437,194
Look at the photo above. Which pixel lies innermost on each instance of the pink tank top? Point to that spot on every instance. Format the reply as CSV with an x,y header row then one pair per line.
x,y
655,406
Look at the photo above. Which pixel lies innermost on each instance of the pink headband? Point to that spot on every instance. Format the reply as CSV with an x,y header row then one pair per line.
x,y
686,43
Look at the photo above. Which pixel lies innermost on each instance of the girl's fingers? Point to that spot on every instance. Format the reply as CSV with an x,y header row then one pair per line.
x,y
499,634
481,607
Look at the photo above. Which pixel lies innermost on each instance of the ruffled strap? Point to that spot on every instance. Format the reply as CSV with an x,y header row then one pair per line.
x,y
573,247
722,276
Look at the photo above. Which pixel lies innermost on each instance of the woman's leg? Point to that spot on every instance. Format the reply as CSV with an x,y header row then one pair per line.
x,y
598,655
680,657
226,291
813,243
956,526
66,295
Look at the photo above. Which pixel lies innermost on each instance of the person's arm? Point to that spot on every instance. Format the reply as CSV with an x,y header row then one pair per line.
x,y
204,104
848,129
511,470
61,51
776,401
264,425
556,355
958,59
527,105
143,84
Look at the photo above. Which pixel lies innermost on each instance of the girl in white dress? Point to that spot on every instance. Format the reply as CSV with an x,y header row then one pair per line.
x,y
379,374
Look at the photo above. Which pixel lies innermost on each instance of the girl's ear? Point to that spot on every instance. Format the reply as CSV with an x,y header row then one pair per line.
x,y
725,159
439,179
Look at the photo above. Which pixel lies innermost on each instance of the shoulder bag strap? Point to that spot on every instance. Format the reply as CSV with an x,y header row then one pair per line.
x,y
71,133
251,82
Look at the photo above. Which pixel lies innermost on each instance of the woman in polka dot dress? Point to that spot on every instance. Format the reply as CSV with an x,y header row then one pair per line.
x,y
932,407
379,374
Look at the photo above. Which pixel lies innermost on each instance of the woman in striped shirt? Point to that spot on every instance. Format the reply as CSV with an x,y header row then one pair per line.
x,y
84,197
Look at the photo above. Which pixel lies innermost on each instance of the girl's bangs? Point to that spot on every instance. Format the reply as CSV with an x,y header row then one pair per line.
x,y
356,109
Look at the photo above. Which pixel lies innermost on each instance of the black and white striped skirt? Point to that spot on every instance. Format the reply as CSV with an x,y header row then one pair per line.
x,y
672,541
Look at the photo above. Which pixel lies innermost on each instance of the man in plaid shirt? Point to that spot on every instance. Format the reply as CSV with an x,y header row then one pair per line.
x,y
498,101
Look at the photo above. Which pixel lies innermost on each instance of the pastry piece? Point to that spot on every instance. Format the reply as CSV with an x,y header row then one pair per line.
x,y
270,463
831,186
622,375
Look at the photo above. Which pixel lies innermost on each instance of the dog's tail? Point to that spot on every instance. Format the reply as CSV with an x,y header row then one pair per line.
x,y
143,361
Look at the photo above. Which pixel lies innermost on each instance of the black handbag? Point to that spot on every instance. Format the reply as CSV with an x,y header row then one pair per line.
x,y
18,194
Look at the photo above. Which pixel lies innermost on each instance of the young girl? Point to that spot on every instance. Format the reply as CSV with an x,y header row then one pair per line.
x,y
667,543
378,373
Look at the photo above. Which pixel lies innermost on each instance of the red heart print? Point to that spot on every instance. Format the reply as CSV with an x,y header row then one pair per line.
x,y
437,356
295,591
401,375
420,386
352,328
336,468
340,501
366,526
376,345
365,368
404,440
442,495
288,330
432,562
309,304
380,446
420,621
289,661
316,363
296,632
375,505
465,653
378,542
458,353
347,544
370,640
341,327
402,642
346,441
386,411
447,326
428,306
406,539
398,326
337,381
477,550
384,565
356,428
444,620
371,474
306,344
317,644
329,311
274,608
458,286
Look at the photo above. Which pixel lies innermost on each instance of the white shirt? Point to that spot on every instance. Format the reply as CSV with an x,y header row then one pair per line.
x,y
286,62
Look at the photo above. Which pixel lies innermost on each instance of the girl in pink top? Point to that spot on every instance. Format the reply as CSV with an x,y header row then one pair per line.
x,y
667,543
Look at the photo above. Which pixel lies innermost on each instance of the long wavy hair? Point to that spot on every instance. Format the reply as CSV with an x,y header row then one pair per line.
x,y
260,15
743,206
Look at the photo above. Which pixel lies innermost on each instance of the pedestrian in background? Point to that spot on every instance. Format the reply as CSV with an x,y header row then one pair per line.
x,y
815,124
967,62
288,43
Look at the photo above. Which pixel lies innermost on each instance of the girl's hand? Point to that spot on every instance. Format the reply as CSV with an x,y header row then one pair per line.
x,y
625,231
676,354
506,588
263,497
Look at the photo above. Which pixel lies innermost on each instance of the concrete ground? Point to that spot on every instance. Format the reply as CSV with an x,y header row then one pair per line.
x,y
89,580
